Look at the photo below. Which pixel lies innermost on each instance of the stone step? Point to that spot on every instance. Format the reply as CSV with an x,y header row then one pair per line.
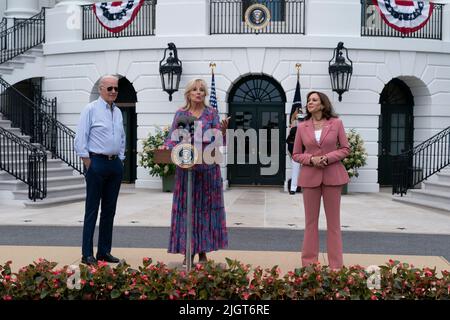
x,y
63,171
420,202
5,124
48,202
6,144
443,177
13,185
16,64
437,186
16,154
23,162
54,192
433,196
25,57
6,70
15,131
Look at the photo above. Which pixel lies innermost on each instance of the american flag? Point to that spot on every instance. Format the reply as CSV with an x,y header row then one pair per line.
x,y
297,103
212,96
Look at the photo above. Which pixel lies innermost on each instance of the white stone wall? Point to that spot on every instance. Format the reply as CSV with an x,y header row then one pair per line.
x,y
72,67
72,78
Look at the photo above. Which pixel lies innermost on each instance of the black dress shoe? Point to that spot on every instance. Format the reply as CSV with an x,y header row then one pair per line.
x,y
291,192
108,258
89,260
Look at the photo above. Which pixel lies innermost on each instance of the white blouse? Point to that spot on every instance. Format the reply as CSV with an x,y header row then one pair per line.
x,y
318,133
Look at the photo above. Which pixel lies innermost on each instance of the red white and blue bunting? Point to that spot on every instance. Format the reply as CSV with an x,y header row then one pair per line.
x,y
405,15
116,15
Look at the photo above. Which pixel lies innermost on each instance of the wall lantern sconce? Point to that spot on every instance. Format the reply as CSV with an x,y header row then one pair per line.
x,y
340,71
170,70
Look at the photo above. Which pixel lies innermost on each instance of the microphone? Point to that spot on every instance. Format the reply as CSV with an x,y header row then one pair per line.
x,y
186,121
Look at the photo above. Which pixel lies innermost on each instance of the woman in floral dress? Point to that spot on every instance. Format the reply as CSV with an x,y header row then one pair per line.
x,y
209,231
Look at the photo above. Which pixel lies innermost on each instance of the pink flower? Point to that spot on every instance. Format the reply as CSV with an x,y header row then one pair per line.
x,y
83,282
7,298
91,283
146,259
7,278
373,297
101,263
428,273
143,297
245,295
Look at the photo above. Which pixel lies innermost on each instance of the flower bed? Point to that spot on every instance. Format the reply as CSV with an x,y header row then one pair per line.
x,y
235,281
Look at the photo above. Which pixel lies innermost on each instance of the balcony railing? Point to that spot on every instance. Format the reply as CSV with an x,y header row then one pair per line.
x,y
228,17
142,25
24,35
373,25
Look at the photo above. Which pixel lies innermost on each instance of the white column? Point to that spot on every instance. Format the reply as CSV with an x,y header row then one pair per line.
x,y
63,22
72,2
21,9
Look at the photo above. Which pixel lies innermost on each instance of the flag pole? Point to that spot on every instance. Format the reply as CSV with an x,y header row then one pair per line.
x,y
212,65
298,66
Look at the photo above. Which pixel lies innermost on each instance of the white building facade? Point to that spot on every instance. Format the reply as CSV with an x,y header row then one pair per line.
x,y
410,75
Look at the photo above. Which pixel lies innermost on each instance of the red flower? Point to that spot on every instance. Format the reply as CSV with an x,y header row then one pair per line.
x,y
373,297
101,264
7,298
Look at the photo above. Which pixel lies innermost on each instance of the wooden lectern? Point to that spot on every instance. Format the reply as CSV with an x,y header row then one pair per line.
x,y
162,156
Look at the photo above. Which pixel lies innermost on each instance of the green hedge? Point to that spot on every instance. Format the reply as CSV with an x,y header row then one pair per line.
x,y
234,281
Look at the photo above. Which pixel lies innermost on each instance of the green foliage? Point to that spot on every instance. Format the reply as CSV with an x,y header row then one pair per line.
x,y
357,156
152,143
233,281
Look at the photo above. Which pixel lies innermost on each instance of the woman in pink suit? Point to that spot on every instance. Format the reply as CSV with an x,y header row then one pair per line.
x,y
320,145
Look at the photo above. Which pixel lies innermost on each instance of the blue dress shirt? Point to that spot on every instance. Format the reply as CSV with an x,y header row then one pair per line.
x,y
100,130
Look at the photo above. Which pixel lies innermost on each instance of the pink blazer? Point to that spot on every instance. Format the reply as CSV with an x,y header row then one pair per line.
x,y
306,146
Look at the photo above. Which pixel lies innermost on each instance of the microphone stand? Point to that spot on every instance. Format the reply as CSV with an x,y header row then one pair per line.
x,y
188,255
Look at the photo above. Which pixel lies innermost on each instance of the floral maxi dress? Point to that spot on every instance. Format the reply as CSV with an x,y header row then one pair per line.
x,y
209,231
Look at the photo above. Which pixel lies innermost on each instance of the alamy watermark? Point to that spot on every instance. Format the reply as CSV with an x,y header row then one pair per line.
x,y
243,146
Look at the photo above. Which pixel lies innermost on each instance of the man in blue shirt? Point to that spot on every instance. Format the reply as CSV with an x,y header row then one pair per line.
x,y
100,142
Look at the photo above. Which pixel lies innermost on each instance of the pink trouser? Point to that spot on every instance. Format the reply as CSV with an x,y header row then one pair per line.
x,y
332,202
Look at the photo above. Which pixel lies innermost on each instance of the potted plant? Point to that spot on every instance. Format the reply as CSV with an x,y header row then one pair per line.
x,y
165,171
357,156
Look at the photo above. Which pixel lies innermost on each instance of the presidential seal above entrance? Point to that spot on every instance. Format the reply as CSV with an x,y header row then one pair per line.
x,y
257,16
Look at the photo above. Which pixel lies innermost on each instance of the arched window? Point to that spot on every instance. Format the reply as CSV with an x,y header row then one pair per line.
x,y
257,89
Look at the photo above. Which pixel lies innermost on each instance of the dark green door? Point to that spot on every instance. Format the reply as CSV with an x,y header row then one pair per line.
x,y
130,126
269,117
395,137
